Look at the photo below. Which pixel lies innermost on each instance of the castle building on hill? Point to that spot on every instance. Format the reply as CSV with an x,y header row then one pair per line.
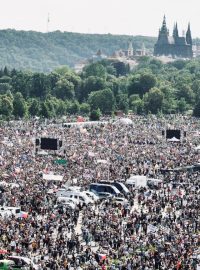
x,y
175,45
130,53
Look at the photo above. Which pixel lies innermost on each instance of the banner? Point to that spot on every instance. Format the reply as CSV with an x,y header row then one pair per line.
x,y
60,161
52,177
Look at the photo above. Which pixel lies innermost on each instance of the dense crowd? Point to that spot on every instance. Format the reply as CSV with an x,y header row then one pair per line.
x,y
158,229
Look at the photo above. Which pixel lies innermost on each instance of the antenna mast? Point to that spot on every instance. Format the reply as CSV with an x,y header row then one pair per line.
x,y
48,20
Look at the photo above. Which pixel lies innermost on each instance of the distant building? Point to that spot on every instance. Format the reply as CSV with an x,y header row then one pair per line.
x,y
196,50
174,46
130,53
98,56
127,53
79,66
95,58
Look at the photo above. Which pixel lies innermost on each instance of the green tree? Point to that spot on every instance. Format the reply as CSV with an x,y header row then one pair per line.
x,y
95,69
121,68
122,102
103,99
34,107
182,105
62,70
73,107
153,100
19,105
136,104
45,112
147,81
5,79
21,82
185,92
40,85
90,84
64,89
61,108
134,84
6,105
95,115
48,109
4,87
196,111
141,83
85,108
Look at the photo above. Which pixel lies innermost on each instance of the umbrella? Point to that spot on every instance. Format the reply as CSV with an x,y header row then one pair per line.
x,y
3,251
23,215
102,257
124,121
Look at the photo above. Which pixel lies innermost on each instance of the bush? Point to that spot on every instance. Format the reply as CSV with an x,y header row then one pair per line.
x,y
95,115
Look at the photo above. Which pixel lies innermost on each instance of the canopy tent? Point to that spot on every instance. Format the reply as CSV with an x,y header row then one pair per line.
x,y
52,177
124,121
197,148
42,153
174,139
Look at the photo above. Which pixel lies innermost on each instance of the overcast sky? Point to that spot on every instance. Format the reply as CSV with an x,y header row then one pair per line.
x,y
132,17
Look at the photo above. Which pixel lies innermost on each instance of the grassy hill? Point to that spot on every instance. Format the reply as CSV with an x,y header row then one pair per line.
x,y
30,50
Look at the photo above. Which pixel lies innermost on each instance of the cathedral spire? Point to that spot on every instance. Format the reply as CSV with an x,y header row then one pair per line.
x,y
189,35
164,26
175,31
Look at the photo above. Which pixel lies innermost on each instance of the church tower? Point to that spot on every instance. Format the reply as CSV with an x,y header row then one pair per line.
x,y
163,33
174,46
175,31
130,49
189,35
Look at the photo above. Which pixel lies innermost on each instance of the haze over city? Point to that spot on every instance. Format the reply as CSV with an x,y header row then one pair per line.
x,y
100,16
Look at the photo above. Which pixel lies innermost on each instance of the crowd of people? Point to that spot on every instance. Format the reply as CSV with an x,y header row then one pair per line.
x,y
157,229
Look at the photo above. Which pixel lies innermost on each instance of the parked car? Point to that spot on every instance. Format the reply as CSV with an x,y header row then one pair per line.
x,y
71,188
120,201
80,196
91,195
98,188
120,186
66,201
105,196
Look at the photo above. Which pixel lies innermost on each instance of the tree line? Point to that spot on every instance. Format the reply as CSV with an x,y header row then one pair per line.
x,y
43,52
102,88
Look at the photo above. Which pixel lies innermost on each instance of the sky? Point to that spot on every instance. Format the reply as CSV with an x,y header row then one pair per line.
x,y
129,17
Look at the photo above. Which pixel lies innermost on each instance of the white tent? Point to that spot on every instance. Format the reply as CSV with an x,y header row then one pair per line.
x,y
52,177
102,161
124,121
42,153
197,148
174,139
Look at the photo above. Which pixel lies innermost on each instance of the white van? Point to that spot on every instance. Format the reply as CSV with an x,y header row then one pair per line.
x,y
5,213
67,200
9,211
14,210
137,181
83,198
91,195
61,192
152,182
